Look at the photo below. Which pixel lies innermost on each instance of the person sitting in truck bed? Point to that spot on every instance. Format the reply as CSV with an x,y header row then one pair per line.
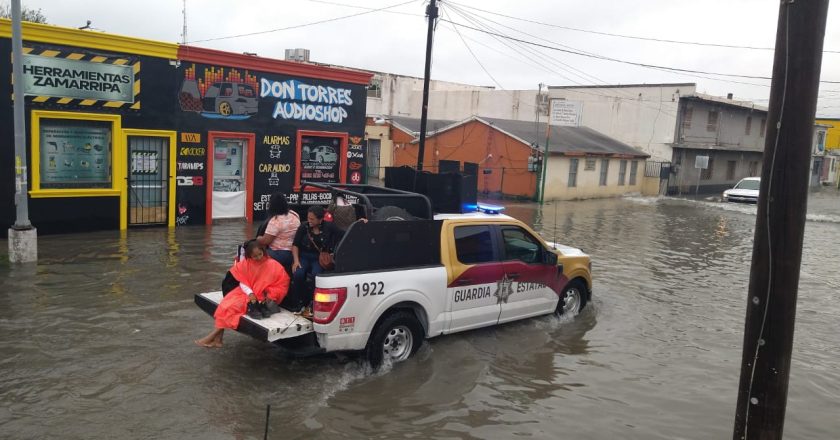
x,y
261,279
280,231
313,237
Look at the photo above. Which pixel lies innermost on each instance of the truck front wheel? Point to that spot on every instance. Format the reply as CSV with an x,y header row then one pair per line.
x,y
397,337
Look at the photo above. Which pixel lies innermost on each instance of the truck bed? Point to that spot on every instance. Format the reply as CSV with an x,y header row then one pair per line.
x,y
280,326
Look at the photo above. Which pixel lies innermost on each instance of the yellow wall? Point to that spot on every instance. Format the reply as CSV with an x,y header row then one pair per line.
x,y
588,182
47,33
832,138
651,186
386,146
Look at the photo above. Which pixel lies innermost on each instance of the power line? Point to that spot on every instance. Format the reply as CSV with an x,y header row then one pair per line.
x,y
305,24
633,37
606,58
476,17
473,54
364,7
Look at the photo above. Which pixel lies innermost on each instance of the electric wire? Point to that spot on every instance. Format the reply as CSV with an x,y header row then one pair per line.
x,y
616,60
473,54
329,20
475,20
633,37
475,17
532,51
364,7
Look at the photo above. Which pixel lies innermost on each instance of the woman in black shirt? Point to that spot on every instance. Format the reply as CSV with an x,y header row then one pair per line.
x,y
313,237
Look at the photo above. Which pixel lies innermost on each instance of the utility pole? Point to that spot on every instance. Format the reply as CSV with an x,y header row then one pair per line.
x,y
536,133
23,238
432,13
780,222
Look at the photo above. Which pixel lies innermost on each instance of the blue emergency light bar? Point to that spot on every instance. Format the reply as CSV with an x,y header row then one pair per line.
x,y
490,209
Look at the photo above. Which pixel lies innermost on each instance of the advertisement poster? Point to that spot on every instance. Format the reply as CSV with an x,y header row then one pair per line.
x,y
319,159
75,156
227,165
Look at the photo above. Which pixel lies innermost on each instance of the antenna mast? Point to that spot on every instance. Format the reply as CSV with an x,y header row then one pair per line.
x,y
184,31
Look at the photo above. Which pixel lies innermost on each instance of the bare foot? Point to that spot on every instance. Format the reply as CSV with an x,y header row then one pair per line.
x,y
217,344
201,343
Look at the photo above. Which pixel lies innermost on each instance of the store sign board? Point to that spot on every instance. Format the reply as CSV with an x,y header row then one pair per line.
x,y
565,113
58,77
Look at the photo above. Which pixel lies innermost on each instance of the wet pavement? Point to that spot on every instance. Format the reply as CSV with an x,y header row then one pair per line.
x,y
96,341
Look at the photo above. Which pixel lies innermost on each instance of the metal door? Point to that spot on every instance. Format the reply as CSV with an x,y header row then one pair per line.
x,y
373,147
148,180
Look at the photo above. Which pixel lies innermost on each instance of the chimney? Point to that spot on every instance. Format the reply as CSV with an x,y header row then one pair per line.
x,y
729,96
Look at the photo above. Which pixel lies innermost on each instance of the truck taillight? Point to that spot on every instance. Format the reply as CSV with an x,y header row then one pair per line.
x,y
327,304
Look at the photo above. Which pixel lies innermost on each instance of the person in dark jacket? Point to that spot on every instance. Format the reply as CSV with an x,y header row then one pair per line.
x,y
313,237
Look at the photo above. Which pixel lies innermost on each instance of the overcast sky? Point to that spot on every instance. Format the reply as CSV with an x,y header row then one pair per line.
x,y
393,40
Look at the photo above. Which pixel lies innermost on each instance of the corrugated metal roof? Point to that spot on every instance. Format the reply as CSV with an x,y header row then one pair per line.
x,y
412,125
565,140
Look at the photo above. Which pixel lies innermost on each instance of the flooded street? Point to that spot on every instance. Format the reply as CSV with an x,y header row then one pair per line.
x,y
96,341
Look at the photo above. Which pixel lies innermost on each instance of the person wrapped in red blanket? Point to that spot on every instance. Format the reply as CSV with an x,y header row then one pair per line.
x,y
261,280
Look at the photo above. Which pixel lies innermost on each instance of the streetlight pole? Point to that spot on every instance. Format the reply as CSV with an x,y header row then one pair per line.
x,y
23,238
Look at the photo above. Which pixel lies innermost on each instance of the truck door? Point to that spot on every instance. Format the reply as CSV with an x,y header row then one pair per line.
x,y
532,279
472,294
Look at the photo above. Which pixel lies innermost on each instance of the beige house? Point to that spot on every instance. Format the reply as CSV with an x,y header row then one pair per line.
x,y
584,163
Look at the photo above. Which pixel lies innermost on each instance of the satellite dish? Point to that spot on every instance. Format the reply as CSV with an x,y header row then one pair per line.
x,y
379,120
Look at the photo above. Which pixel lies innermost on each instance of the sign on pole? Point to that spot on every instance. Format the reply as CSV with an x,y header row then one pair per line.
x,y
565,113
701,162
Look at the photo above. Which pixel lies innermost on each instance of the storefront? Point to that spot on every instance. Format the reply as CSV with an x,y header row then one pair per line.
x,y
125,132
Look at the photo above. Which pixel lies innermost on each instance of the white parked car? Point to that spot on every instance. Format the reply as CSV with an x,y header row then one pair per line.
x,y
744,191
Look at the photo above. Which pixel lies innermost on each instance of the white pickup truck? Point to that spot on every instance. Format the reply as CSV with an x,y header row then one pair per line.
x,y
397,283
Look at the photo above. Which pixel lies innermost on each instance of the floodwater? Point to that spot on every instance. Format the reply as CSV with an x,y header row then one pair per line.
x,y
96,342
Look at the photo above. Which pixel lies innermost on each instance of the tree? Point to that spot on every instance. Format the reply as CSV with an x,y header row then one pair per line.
x,y
26,14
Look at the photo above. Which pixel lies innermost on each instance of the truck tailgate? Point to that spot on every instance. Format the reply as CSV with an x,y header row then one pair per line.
x,y
281,325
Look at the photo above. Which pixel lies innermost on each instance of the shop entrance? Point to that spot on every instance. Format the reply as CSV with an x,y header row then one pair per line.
x,y
230,168
148,178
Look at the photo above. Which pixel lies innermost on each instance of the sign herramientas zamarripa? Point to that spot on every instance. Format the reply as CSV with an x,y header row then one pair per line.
x,y
48,76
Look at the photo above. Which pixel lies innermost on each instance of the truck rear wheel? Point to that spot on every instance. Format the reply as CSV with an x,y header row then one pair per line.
x,y
396,338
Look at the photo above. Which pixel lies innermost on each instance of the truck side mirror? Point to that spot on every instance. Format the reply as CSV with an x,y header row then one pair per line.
x,y
550,258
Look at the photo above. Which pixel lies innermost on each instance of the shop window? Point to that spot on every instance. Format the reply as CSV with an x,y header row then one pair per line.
x,y
605,166
622,172
573,169
75,154
589,165
634,168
